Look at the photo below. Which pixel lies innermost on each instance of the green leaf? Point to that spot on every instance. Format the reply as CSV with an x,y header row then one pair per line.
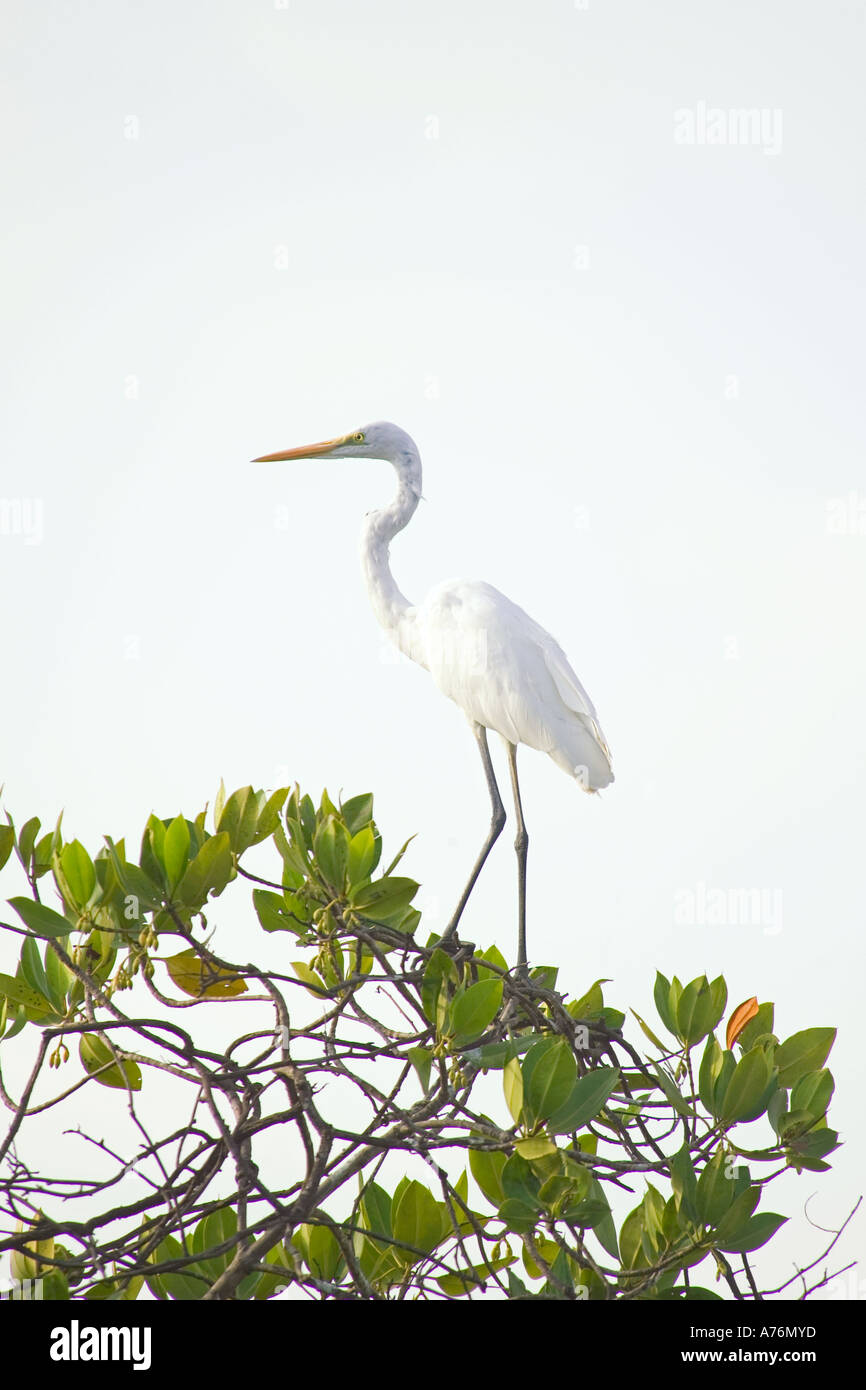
x,y
22,994
26,841
384,897
331,850
548,1251
487,1166
307,816
134,880
95,1054
754,1233
661,995
271,911
58,979
41,920
512,1084
269,1285
357,812
792,1123
598,1218
321,1253
314,983
745,1095
652,1222
187,1287
685,1184
648,1032
416,1219
117,1290
810,1148
564,1193
219,803
78,872
711,1066
440,973
23,1264
295,867
536,1146
549,1072
812,1093
493,1056
802,1053
726,1071
517,1215
588,1097
269,816
715,1190
630,1239
362,856
694,1010
471,1012
402,919
239,818
590,1004
777,1108
519,1180
7,842
495,957
213,1230
44,858
17,1012
32,968
672,1091
738,1214
175,850
208,873
544,975
699,1009
719,993
152,849
98,956
475,1277
376,1208
422,1060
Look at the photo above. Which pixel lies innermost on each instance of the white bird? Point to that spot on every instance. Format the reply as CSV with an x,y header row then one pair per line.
x,y
487,655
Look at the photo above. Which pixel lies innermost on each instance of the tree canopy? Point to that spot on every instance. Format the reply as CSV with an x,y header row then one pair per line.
x,y
384,1119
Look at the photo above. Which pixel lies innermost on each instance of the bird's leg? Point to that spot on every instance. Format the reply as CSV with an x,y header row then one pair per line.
x,y
521,844
497,821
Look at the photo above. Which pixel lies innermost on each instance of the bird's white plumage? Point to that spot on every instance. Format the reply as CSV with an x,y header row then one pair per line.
x,y
506,672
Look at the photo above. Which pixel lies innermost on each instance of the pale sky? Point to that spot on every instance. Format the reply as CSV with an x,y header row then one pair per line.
x,y
623,324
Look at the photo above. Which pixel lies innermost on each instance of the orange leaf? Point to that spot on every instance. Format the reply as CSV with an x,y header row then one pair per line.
x,y
743,1014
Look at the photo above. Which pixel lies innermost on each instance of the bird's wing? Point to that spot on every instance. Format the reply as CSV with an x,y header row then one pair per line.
x,y
507,672
569,688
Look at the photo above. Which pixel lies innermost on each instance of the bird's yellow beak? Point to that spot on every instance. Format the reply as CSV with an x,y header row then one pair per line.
x,y
306,451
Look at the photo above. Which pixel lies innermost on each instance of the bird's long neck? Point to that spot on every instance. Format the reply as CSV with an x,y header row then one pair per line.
x,y
391,607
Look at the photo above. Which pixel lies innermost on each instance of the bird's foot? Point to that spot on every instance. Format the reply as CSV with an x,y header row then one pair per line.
x,y
451,944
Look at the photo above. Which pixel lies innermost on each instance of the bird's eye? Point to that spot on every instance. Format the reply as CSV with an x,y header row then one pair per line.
x,y
358,438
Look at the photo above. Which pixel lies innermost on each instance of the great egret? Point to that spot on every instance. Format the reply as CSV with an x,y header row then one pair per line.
x,y
504,671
